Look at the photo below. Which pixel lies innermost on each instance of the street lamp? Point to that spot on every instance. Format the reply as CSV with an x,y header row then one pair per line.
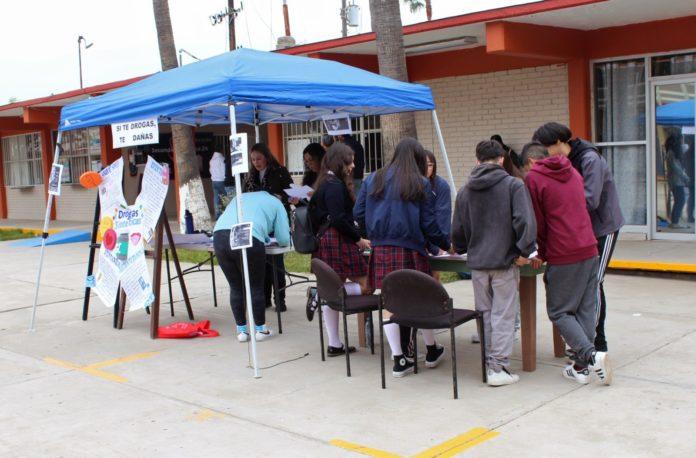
x,y
80,41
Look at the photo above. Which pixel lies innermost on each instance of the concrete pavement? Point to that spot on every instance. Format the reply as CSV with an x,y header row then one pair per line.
x,y
77,388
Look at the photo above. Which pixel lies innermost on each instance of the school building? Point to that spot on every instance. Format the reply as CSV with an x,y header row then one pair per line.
x,y
621,73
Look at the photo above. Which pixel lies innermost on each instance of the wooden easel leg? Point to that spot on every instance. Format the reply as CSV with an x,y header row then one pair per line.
x,y
164,221
169,282
156,280
117,307
122,308
93,245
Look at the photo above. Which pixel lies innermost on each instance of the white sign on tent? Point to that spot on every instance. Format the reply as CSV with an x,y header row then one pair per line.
x,y
133,133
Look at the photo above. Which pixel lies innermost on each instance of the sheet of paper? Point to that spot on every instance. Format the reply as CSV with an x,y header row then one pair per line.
x,y
107,278
154,192
136,283
110,189
454,257
300,192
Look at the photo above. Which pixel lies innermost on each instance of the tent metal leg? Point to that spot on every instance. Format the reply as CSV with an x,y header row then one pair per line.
x,y
441,141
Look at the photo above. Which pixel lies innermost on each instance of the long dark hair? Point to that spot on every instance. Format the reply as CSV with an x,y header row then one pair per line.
x,y
338,156
271,161
317,152
409,166
430,155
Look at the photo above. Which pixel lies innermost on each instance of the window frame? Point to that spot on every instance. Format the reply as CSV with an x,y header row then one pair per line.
x,y
69,159
36,179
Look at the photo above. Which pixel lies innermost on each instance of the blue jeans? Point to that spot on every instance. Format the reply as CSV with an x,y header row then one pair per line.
x,y
680,195
218,192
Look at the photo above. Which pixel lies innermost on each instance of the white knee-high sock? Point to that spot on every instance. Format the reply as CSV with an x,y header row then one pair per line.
x,y
428,336
331,321
394,337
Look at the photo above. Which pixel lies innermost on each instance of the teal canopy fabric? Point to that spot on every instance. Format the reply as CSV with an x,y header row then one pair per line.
x,y
264,86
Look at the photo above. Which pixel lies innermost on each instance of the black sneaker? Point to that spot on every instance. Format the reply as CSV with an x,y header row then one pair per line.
x,y
402,366
312,302
338,351
434,356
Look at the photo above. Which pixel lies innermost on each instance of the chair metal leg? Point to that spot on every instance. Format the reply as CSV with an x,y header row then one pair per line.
x,y
372,334
212,274
321,333
454,364
482,337
276,294
346,346
381,347
414,333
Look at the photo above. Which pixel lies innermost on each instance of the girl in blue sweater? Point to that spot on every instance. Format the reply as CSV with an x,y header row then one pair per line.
x,y
395,208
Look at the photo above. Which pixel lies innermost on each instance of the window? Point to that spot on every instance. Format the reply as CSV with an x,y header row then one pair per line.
x,y
620,131
675,64
21,158
81,152
297,136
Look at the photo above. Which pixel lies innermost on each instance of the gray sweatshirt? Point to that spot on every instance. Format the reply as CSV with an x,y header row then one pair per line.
x,y
600,190
493,219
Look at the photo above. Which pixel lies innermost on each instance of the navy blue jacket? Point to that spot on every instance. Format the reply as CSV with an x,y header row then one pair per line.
x,y
443,209
390,221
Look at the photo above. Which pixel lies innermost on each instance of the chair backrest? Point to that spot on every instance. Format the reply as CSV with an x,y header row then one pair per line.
x,y
409,293
329,284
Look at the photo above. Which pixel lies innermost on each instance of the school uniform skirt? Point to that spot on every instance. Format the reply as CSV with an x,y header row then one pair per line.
x,y
341,254
387,259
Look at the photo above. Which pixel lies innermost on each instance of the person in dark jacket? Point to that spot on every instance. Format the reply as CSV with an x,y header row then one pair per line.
x,y
395,208
443,203
494,224
266,174
567,243
340,246
602,201
358,160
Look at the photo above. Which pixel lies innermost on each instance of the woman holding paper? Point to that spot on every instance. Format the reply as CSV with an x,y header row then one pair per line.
x,y
340,245
266,174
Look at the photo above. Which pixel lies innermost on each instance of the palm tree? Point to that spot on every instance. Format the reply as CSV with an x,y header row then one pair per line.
x,y
386,23
191,192
417,5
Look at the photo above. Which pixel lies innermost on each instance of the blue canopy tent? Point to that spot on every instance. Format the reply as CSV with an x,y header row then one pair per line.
x,y
252,87
676,113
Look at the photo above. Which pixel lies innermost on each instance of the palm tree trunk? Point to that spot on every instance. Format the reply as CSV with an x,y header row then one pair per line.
x,y
191,191
428,9
386,23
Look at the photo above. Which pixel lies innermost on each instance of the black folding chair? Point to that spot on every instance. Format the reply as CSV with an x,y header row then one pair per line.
x,y
419,301
332,293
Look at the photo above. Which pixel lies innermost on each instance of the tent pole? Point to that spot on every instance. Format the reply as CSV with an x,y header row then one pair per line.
x,y
441,140
251,324
256,123
44,235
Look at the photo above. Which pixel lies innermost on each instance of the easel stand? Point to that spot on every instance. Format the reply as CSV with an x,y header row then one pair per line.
x,y
120,305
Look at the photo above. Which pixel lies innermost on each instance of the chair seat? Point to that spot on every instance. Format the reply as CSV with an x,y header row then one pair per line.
x,y
437,322
357,304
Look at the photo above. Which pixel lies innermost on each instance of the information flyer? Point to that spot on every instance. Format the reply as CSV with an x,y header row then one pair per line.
x,y
154,192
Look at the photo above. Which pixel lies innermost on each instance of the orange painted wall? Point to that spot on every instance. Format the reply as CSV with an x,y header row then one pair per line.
x,y
275,141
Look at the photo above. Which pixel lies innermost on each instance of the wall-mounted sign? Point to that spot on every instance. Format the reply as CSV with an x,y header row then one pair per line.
x,y
133,133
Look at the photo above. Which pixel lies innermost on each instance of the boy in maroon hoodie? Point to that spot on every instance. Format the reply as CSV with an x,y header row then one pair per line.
x,y
567,243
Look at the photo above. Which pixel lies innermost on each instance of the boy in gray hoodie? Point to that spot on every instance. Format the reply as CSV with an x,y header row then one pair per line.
x,y
494,224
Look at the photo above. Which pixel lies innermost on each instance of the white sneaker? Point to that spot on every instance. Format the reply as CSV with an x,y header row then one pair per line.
x,y
601,367
263,335
501,378
581,376
243,337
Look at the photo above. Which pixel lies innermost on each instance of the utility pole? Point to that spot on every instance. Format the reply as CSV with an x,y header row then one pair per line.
x,y
344,18
233,40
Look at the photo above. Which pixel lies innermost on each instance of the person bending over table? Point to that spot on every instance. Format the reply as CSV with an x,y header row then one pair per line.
x,y
395,206
266,174
340,245
268,216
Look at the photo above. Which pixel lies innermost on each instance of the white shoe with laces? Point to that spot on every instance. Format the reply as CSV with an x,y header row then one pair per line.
x,y
582,376
263,333
243,337
601,367
501,378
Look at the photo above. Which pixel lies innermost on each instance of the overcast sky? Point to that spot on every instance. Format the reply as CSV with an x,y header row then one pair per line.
x,y
38,38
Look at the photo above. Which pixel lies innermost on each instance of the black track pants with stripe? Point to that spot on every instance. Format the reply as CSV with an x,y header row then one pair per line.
x,y
605,246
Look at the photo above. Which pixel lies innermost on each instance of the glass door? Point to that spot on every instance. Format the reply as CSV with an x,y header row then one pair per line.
x,y
674,128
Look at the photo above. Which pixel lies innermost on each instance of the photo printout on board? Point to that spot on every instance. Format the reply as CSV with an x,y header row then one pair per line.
x,y
337,124
239,156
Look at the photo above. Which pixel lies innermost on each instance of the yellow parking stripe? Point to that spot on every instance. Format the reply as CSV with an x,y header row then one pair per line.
x,y
459,444
361,449
124,359
93,369
653,266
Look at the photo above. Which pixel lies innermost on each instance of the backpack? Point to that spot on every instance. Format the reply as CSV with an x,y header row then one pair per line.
x,y
304,238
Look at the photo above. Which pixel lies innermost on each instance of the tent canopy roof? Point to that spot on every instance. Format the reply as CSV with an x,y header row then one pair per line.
x,y
272,87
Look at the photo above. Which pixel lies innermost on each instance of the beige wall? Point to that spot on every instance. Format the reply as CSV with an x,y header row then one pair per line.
x,y
510,103
75,203
26,203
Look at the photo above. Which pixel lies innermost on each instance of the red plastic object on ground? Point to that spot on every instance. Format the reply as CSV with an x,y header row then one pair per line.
x,y
186,330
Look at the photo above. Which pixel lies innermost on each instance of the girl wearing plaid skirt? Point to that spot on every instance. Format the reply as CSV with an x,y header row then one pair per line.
x,y
396,208
340,245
